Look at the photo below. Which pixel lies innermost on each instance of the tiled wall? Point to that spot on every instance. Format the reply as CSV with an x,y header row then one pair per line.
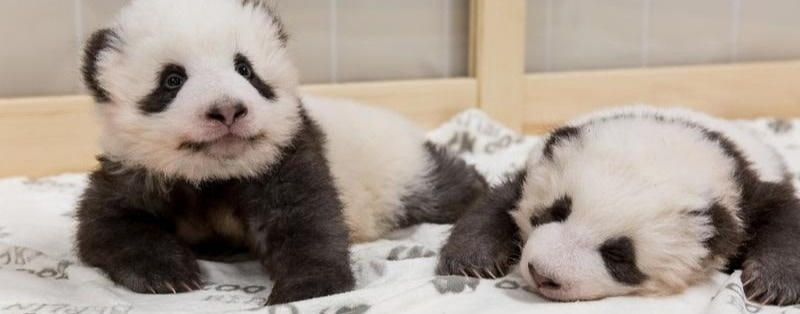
x,y
361,40
568,35
332,40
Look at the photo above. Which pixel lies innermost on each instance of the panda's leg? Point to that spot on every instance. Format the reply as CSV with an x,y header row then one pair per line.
x,y
297,229
771,267
485,241
448,190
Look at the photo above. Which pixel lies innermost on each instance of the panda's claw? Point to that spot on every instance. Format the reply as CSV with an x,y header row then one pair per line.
x,y
170,287
491,274
769,283
475,273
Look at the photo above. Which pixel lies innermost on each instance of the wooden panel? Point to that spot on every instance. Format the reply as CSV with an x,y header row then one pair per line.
x,y
499,58
732,91
41,136
426,102
45,136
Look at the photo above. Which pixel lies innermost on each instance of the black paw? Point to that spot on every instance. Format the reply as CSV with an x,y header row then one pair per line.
x,y
159,274
298,289
473,261
771,283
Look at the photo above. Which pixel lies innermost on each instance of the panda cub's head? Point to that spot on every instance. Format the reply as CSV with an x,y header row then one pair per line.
x,y
626,206
190,90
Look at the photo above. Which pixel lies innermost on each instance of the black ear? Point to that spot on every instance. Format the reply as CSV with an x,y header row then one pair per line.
x,y
99,42
270,9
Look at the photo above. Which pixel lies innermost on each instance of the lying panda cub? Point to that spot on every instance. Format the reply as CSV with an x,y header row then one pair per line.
x,y
208,151
638,201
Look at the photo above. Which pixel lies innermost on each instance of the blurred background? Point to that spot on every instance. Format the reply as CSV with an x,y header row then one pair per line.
x,y
336,41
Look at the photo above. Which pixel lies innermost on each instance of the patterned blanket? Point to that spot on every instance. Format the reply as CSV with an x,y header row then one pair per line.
x,y
39,272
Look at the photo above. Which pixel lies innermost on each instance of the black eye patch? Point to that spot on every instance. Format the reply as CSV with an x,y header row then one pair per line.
x,y
557,212
244,67
619,256
170,81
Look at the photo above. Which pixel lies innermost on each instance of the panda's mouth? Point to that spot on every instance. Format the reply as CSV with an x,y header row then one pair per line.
x,y
230,143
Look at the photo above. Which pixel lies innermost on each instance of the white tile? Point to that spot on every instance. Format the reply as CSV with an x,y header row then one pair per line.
x,y
536,36
390,39
99,14
39,52
457,38
684,32
309,25
769,30
591,34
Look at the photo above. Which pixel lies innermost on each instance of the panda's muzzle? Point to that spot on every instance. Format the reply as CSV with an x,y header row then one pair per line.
x,y
198,147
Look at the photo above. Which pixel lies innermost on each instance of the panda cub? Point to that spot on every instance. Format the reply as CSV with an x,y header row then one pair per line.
x,y
639,201
209,152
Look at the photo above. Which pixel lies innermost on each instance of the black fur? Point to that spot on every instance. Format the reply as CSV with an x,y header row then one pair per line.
x,y
728,235
454,188
619,256
100,41
559,136
263,88
771,214
292,216
485,241
557,212
159,99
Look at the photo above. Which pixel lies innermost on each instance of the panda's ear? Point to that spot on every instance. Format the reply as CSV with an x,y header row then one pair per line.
x,y
270,8
100,42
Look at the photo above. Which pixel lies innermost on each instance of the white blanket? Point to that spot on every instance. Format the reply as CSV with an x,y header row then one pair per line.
x,y
39,272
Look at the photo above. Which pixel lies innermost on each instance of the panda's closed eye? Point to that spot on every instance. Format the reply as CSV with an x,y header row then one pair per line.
x,y
619,256
558,211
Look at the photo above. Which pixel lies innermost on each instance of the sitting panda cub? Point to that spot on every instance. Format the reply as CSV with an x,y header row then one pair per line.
x,y
209,152
639,201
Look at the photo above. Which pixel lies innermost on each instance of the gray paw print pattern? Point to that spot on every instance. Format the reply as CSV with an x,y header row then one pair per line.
x,y
403,252
51,184
507,284
455,284
780,126
357,309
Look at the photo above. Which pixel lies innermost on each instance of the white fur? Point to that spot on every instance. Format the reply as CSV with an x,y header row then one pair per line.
x,y
204,39
376,157
638,178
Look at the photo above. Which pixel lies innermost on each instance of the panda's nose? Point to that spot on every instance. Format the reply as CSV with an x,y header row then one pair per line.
x,y
227,114
542,281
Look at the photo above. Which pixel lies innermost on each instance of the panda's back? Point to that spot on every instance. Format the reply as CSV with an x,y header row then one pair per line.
x,y
377,159
763,159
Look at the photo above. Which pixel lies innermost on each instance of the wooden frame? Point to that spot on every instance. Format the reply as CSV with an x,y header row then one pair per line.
x,y
44,136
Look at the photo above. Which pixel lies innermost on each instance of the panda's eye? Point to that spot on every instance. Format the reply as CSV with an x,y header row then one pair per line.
x,y
559,211
244,69
174,81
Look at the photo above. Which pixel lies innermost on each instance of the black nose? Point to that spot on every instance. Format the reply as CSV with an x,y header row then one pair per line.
x,y
542,281
227,114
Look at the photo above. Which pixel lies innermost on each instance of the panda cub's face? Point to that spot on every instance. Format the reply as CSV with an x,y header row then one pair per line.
x,y
621,208
197,91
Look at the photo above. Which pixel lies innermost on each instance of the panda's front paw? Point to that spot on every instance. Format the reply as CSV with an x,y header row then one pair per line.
x,y
175,273
308,287
772,282
472,260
